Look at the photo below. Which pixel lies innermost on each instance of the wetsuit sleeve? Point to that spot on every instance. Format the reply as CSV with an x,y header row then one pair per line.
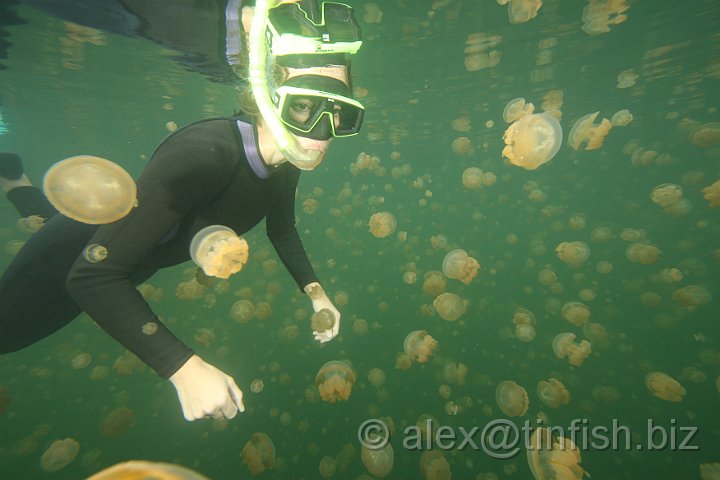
x,y
280,226
181,175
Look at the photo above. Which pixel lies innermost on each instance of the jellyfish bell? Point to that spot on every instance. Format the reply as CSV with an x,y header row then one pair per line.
x,y
706,135
532,141
664,386
552,393
458,265
561,344
621,118
449,306
516,109
512,398
379,462
419,345
584,130
140,469
550,459
59,455
666,194
258,454
576,313
573,253
335,380
219,251
382,224
434,466
525,333
322,320
90,189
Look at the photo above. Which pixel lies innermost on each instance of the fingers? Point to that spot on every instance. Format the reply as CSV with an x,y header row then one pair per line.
x,y
236,395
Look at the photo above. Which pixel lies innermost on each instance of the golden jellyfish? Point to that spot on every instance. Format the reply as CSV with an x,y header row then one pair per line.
x,y
573,253
450,306
553,460
594,332
523,316
664,386
257,385
552,393
242,311
434,283
601,234
81,360
711,193
378,461
576,313
373,14
59,455
219,251
117,422
621,118
31,224
521,11
598,15
455,373
327,467
626,78
584,130
642,253
322,320
692,296
434,466
532,141
472,178
418,345
462,146
706,135
143,470
458,265
335,380
516,109
693,374
382,224
666,194
512,398
90,189
258,454
376,377
564,346
525,333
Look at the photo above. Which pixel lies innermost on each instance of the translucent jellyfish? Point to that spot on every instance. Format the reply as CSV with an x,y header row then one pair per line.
x,y
242,311
525,333
434,283
258,454
140,469
455,373
472,178
512,398
564,346
706,135
449,306
523,316
594,332
434,466
31,224
621,118
573,253
532,141
376,377
373,14
379,462
418,345
711,193
335,380
90,189
81,360
576,313
322,320
458,265
117,422
598,15
382,224
692,296
521,11
462,146
516,109
219,251
257,385
585,130
327,467
59,454
626,78
642,253
664,386
553,460
666,194
552,393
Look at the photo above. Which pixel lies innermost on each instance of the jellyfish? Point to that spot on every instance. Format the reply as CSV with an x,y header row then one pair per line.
x,y
516,109
564,346
382,224
59,455
692,296
242,311
525,333
140,469
434,466
621,118
327,466
585,131
322,320
81,360
573,253
576,313
117,422
258,454
376,377
598,15
626,78
664,386
594,332
219,251
711,193
379,462
666,194
455,373
472,178
434,283
418,345
706,135
462,146
553,460
458,265
552,393
642,253
449,306
512,398
335,380
31,224
521,11
533,140
523,316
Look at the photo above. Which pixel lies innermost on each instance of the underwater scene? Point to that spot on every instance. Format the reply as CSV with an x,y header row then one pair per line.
x,y
523,242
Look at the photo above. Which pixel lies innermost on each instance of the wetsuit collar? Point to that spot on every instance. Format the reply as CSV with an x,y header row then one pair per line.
x,y
258,166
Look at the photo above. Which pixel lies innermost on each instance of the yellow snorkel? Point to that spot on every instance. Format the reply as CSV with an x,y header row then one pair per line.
x,y
286,142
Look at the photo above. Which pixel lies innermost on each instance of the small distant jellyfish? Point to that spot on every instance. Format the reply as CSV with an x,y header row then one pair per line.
x,y
516,109
565,346
59,455
512,398
322,320
525,333
242,311
434,283
257,385
382,224
706,135
584,130
576,313
90,189
219,251
418,345
621,118
472,178
376,377
81,360
258,454
521,11
95,253
642,253
149,328
462,146
31,224
335,380
117,422
378,461
553,459
449,306
666,194
455,373
434,466
664,386
692,296
711,193
552,393
626,78
573,253
532,141
458,265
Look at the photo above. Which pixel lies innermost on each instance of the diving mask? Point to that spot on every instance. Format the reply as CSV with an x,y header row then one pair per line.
x,y
318,107
291,31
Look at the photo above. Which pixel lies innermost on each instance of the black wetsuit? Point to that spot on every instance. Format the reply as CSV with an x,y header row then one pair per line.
x,y
204,174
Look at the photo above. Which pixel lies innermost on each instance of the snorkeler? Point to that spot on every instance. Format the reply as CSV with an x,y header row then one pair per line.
x,y
221,171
